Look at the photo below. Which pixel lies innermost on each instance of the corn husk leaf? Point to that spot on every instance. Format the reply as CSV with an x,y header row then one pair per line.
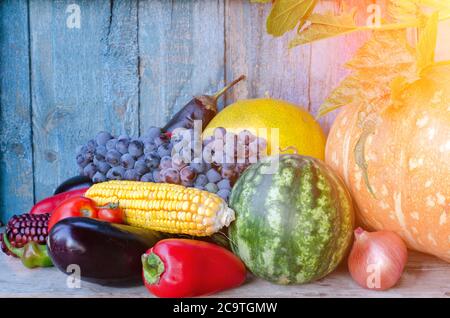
x,y
324,26
287,14
382,59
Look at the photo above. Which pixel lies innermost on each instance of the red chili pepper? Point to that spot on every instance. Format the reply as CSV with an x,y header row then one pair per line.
x,y
49,204
189,268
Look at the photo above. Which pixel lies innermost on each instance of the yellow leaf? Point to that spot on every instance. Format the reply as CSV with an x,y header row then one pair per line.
x,y
443,6
410,10
342,95
427,42
398,86
386,56
345,19
403,10
287,14
438,72
324,26
385,49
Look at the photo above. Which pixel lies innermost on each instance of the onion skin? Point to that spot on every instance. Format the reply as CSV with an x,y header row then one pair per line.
x,y
377,259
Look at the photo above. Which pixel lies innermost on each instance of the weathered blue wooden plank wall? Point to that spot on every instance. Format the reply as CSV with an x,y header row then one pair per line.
x,y
16,151
131,64
83,80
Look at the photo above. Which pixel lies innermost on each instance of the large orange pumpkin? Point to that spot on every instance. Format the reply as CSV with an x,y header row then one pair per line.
x,y
396,162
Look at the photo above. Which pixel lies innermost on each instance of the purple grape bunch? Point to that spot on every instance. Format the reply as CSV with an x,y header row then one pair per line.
x,y
214,171
153,158
122,158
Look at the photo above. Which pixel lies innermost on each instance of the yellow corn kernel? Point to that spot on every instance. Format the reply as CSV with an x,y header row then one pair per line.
x,y
193,208
196,199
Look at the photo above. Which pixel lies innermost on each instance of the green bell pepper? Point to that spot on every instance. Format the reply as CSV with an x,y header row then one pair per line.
x,y
32,254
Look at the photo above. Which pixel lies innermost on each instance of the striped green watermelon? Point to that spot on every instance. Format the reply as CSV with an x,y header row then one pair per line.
x,y
294,225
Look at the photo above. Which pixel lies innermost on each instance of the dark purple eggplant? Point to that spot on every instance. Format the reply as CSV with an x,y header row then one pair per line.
x,y
203,107
73,183
107,253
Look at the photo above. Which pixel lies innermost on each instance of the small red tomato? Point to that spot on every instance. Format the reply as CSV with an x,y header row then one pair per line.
x,y
73,207
111,213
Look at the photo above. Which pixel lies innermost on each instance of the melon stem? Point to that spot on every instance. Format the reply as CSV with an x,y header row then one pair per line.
x,y
226,88
294,149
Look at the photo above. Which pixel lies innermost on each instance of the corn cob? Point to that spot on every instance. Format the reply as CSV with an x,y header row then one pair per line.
x,y
165,207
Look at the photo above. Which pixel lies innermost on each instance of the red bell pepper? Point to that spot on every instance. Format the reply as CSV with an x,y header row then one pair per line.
x,y
73,207
49,204
189,268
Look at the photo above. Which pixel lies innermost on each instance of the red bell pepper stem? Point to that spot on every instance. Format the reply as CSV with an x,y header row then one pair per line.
x,y
153,267
48,205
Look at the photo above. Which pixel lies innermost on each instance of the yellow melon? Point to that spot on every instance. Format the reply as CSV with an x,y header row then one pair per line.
x,y
296,127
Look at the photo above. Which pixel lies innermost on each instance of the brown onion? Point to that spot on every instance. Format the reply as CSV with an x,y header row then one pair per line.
x,y
377,259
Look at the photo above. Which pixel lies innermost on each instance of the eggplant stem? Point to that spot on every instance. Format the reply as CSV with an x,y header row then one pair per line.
x,y
226,88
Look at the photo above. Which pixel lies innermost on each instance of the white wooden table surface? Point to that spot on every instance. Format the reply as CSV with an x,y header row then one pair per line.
x,y
425,276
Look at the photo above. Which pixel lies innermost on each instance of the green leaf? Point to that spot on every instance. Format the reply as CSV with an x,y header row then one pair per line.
x,y
427,42
324,26
287,14
382,59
